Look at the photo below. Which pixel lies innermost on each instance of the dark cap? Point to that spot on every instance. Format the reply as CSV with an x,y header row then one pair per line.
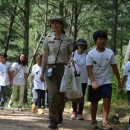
x,y
81,41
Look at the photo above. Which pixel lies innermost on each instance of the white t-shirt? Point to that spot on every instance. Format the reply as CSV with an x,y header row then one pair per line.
x,y
7,81
36,73
4,77
101,62
127,73
19,77
80,64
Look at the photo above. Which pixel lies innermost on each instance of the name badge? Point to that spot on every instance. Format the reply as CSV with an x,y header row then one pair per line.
x,y
51,41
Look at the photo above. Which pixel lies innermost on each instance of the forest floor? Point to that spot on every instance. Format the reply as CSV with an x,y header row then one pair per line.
x,y
26,120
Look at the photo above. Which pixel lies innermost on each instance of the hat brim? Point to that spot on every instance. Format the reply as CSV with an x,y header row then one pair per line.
x,y
60,20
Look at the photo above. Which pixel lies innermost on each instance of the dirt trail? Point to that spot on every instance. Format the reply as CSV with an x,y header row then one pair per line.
x,y
32,121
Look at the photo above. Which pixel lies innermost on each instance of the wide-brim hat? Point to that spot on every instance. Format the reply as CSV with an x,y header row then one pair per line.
x,y
58,18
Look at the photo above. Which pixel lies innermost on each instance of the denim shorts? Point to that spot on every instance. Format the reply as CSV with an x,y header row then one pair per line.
x,y
104,91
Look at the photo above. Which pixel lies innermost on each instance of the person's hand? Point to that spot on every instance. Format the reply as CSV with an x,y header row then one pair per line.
x,y
95,85
70,60
42,78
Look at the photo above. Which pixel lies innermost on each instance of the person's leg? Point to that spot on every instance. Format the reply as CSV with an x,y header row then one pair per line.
x,y
3,97
81,104
43,98
52,99
106,91
74,112
94,97
94,107
60,96
38,98
13,96
106,109
21,96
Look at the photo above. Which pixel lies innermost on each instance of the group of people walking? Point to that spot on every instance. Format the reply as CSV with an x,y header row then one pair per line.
x,y
93,68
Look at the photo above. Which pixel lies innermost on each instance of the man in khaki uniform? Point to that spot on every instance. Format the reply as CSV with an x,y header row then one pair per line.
x,y
57,51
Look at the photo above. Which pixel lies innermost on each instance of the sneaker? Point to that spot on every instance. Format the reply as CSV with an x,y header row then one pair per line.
x,y
40,111
80,117
74,115
94,125
33,108
106,126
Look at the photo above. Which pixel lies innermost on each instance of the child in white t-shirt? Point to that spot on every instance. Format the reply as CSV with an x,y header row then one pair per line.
x,y
126,78
4,78
100,63
79,59
39,86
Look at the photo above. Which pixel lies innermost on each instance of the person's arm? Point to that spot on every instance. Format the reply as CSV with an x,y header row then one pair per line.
x,y
92,78
116,72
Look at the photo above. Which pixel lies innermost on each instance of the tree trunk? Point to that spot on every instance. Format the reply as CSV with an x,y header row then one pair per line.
x,y
75,20
8,36
61,8
114,24
26,28
26,35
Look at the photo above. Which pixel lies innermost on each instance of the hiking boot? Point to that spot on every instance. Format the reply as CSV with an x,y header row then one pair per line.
x,y
74,115
33,108
59,120
106,126
53,124
80,117
40,111
94,125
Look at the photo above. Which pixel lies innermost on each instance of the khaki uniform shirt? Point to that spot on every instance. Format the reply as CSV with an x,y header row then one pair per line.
x,y
52,45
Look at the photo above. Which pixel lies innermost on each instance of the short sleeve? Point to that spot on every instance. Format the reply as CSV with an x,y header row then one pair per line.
x,y
126,70
13,67
113,60
45,43
25,69
89,60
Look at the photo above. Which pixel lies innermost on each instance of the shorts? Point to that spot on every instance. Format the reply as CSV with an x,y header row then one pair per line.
x,y
104,91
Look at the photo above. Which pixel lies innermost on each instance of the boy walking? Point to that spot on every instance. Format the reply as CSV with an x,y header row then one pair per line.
x,y
99,62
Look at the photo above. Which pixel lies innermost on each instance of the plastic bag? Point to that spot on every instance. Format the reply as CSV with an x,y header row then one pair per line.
x,y
70,84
